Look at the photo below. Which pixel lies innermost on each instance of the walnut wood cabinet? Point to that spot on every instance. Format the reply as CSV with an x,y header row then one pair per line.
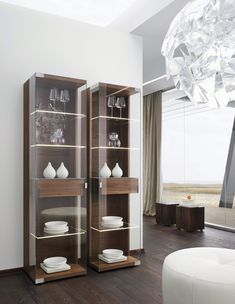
x,y
55,130
114,196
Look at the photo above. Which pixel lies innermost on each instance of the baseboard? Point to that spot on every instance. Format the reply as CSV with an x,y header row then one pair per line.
x,y
220,227
10,271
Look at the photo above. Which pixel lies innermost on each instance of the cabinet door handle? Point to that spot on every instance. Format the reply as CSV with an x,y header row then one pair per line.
x,y
86,186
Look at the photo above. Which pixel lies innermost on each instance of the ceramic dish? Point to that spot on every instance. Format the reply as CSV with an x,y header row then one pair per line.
x,y
56,225
112,253
106,260
55,262
109,219
112,225
56,231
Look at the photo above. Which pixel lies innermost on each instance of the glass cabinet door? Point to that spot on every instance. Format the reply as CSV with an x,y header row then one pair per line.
x,y
115,170
55,177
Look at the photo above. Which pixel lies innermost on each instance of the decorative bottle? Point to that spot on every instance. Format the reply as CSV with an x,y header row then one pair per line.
x,y
49,171
117,171
105,172
62,172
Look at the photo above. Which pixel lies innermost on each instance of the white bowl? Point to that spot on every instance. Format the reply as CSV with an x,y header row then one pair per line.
x,y
112,253
112,224
55,262
112,219
56,225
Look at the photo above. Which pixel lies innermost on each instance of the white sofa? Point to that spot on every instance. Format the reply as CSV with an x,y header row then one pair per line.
x,y
199,276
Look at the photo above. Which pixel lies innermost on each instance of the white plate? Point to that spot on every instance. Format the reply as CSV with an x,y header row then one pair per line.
x,y
51,231
112,219
112,253
121,259
55,262
56,225
53,270
115,225
56,229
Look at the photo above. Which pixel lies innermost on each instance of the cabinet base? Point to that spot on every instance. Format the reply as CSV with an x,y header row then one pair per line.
x,y
101,266
39,276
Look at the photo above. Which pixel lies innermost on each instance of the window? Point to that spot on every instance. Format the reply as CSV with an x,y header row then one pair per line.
x,y
195,145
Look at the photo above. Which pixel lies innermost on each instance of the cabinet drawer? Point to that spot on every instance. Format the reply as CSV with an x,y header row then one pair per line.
x,y
60,187
118,185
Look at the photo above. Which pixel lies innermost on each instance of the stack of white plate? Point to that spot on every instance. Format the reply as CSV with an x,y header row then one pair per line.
x,y
112,256
56,227
112,221
55,264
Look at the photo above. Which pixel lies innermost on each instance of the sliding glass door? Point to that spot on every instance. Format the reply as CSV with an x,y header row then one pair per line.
x,y
197,156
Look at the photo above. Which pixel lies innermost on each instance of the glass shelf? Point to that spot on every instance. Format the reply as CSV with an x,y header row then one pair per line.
x,y
57,146
114,178
126,226
115,118
59,179
115,148
72,231
58,112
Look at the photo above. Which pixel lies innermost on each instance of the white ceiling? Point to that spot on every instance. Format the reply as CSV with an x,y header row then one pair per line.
x,y
139,12
98,12
124,15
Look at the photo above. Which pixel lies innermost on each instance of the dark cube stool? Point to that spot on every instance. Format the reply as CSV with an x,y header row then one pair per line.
x,y
190,218
166,213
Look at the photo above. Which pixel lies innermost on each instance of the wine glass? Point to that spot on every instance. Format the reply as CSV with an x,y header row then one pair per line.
x,y
57,137
64,97
111,103
120,104
54,96
114,141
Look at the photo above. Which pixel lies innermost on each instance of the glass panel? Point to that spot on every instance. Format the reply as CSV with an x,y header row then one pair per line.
x,y
196,141
57,116
115,146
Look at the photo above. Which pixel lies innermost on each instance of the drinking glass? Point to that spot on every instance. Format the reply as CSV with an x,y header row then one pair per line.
x,y
113,140
120,104
64,97
111,103
57,137
54,96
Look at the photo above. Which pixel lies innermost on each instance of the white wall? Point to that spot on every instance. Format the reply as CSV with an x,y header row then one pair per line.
x,y
36,42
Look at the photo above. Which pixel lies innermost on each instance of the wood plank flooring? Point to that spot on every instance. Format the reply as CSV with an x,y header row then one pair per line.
x,y
137,285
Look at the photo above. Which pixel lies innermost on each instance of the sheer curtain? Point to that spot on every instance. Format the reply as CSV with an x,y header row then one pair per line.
x,y
152,120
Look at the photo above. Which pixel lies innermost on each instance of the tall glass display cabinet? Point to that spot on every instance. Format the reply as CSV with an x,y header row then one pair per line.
x,y
115,171
55,177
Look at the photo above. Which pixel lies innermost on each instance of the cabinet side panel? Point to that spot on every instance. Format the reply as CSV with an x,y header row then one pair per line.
x,y
26,174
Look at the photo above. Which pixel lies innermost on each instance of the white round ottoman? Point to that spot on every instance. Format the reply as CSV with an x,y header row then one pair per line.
x,y
199,276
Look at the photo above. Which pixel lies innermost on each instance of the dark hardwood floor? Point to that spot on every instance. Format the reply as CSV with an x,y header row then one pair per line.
x,y
133,285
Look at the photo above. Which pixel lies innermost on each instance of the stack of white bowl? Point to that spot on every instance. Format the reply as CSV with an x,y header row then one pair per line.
x,y
112,221
56,227
112,256
55,264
